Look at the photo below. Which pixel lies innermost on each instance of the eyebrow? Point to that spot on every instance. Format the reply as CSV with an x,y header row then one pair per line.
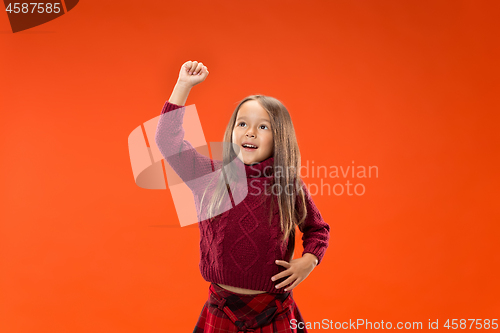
x,y
262,119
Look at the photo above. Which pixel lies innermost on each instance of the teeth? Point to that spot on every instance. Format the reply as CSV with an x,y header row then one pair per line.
x,y
250,146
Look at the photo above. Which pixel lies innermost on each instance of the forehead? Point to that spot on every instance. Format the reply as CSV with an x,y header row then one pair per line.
x,y
252,110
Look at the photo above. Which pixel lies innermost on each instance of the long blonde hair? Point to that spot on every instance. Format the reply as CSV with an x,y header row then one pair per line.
x,y
286,158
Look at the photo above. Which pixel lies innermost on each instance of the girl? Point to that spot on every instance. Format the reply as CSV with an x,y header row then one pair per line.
x,y
246,246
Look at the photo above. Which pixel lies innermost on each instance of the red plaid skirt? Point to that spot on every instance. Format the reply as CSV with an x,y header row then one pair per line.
x,y
228,312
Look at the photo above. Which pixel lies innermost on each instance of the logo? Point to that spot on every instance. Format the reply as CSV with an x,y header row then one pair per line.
x,y
170,150
26,15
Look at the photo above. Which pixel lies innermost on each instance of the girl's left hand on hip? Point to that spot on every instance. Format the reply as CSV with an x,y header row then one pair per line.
x,y
298,269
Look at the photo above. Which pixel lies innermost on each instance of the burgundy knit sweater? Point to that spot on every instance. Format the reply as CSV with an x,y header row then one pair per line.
x,y
239,247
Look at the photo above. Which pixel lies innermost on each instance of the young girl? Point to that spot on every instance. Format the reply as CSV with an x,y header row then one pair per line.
x,y
246,251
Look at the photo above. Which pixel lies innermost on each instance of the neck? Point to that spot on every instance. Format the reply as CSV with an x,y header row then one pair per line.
x,y
260,169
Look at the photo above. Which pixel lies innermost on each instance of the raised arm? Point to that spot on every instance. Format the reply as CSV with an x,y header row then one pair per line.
x,y
179,153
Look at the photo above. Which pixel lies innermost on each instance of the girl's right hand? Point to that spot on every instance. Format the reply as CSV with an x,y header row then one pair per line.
x,y
192,73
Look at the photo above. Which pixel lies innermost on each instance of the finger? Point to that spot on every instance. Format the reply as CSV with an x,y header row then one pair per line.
x,y
286,282
193,67
204,70
187,65
295,284
197,71
283,263
281,275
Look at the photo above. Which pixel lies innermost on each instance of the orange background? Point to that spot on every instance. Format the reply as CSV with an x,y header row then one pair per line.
x,y
409,86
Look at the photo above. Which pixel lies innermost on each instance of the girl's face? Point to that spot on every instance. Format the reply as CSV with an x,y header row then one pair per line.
x,y
253,126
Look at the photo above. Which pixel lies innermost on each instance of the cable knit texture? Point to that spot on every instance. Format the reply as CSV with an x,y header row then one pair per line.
x,y
239,247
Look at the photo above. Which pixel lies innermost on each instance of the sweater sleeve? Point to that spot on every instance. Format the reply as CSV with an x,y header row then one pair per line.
x,y
188,163
316,232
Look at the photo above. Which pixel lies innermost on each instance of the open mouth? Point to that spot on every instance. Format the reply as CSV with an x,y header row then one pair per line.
x,y
249,147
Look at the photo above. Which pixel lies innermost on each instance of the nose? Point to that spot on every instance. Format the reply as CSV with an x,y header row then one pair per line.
x,y
249,134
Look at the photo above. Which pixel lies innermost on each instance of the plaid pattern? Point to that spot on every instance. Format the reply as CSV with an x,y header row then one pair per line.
x,y
228,312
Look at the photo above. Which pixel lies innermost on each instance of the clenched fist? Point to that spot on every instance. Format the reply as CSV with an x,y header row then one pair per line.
x,y
192,73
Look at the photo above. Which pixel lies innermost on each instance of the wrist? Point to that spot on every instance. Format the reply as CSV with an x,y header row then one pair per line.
x,y
311,257
183,85
180,93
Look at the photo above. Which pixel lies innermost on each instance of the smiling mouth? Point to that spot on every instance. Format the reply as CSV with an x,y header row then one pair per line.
x,y
249,147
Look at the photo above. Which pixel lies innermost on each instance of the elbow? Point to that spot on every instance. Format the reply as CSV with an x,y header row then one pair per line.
x,y
162,143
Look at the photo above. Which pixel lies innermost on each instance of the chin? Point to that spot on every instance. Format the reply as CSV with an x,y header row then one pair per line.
x,y
244,160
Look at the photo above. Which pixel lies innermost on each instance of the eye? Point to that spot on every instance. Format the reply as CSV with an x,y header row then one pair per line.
x,y
241,123
263,126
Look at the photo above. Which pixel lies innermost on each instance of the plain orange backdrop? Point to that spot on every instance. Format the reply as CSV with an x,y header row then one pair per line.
x,y
411,87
